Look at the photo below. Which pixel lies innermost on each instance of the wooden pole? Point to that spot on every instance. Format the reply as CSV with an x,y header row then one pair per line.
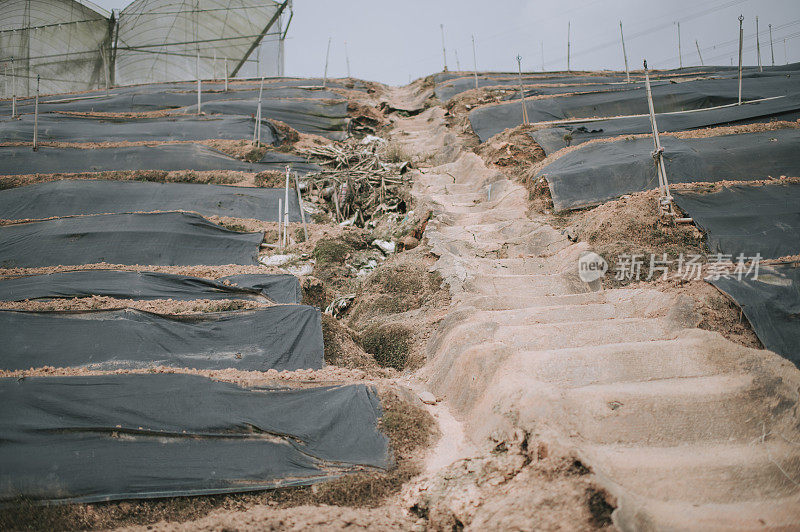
x,y
698,53
680,53
226,74
257,132
624,53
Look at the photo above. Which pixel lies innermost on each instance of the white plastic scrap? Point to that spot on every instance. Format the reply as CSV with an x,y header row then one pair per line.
x,y
277,260
384,245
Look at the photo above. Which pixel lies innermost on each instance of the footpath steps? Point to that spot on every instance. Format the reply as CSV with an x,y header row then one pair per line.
x,y
687,429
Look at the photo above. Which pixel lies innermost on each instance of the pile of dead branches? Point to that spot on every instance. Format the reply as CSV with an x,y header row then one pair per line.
x,y
361,179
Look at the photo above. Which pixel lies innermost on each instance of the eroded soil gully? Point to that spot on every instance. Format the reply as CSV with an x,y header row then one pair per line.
x,y
682,427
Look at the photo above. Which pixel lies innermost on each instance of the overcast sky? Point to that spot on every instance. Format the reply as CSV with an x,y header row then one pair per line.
x,y
390,41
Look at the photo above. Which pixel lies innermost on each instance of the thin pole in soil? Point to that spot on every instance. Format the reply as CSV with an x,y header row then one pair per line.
x,y
14,87
568,44
680,54
624,53
36,115
199,86
327,56
300,204
771,46
444,50
741,37
541,49
698,53
474,62
105,66
522,92
226,74
458,63
286,212
257,131
280,221
758,48
665,198
347,58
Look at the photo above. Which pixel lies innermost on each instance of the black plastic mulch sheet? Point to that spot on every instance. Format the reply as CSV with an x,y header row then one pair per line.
x,y
279,287
447,90
137,102
747,219
489,120
164,239
98,438
780,108
318,117
60,128
121,284
18,160
771,304
96,196
281,337
605,170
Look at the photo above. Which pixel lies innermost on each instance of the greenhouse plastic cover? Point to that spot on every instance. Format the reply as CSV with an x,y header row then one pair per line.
x,y
747,219
490,120
280,337
164,239
78,129
121,284
63,47
107,437
161,39
778,108
771,304
602,171
96,196
15,160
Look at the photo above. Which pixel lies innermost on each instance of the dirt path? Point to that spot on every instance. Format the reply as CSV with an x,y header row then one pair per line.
x,y
683,428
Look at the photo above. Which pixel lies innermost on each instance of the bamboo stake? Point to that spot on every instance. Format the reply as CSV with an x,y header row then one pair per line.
x,y
300,203
771,47
36,115
698,53
444,50
741,37
199,85
522,92
226,74
327,56
624,53
286,213
474,62
14,89
280,221
758,48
